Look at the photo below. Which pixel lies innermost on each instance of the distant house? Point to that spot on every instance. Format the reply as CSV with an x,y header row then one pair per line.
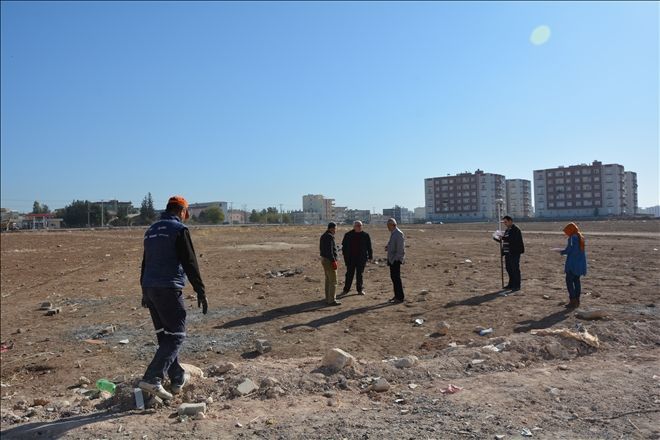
x,y
196,208
41,221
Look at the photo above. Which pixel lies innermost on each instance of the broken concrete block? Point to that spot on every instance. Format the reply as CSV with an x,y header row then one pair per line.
x,y
246,387
380,385
336,359
193,370
405,362
442,328
191,409
263,346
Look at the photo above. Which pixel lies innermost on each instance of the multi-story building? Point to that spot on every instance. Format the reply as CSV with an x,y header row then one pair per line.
x,y
580,191
316,203
420,213
630,198
364,215
519,198
464,197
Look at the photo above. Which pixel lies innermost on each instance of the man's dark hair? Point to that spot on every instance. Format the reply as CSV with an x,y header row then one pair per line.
x,y
507,217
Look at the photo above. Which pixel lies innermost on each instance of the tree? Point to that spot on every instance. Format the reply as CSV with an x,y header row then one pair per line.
x,y
147,211
254,216
38,208
212,215
77,213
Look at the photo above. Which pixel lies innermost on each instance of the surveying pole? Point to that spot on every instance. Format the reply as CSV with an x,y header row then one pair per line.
x,y
500,207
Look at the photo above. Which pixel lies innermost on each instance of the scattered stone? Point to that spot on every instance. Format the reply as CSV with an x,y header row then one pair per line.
x,y
238,425
591,315
84,381
40,402
209,400
263,346
443,328
405,362
563,367
499,436
108,330
246,387
193,370
221,368
336,359
191,409
272,393
418,322
269,382
52,312
124,341
103,279
380,385
46,305
477,361
546,296
485,331
526,432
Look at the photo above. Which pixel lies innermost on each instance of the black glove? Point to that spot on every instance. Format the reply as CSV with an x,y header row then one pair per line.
x,y
201,302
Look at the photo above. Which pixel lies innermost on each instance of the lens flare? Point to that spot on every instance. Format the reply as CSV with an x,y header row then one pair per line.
x,y
540,35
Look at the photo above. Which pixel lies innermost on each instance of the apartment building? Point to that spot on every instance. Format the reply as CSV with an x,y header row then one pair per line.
x,y
581,191
519,198
630,197
196,208
464,197
317,204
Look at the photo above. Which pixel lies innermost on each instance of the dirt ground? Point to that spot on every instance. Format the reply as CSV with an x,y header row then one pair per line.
x,y
546,386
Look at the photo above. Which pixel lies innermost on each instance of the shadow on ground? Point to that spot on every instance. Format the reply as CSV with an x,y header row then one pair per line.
x,y
58,428
545,322
273,314
477,300
316,323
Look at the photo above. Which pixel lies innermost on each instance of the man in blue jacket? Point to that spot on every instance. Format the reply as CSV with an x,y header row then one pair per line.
x,y
168,258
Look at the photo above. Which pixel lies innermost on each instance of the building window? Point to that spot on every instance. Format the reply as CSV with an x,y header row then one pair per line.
x,y
551,205
586,195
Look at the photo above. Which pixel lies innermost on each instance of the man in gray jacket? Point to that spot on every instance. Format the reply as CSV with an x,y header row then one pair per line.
x,y
396,253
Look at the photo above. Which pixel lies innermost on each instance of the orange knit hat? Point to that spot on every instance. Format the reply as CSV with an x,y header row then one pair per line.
x,y
180,201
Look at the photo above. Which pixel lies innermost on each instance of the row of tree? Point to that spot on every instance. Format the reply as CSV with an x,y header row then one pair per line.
x,y
83,213
269,215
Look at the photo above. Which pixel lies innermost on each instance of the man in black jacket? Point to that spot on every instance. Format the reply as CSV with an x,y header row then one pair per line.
x,y
356,247
512,248
169,258
328,250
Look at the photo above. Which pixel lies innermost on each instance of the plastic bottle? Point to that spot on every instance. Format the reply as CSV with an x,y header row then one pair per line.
x,y
106,385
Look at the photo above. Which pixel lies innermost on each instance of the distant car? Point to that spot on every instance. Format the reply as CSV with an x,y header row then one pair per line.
x,y
428,223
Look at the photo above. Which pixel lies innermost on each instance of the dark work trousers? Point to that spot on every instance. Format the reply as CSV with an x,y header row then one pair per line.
x,y
573,285
395,275
354,268
168,313
512,262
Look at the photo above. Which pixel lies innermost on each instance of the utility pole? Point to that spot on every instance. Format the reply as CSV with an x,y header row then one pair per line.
x,y
281,215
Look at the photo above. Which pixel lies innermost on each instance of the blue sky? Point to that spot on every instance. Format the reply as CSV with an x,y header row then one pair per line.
x,y
260,103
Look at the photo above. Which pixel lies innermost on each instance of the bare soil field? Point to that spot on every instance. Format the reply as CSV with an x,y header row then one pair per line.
x,y
266,283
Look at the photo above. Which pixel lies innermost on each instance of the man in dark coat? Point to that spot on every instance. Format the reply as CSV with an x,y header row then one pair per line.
x,y
356,247
512,248
328,252
169,258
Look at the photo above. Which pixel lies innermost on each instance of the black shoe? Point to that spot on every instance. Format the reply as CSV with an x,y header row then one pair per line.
x,y
395,300
515,289
361,292
508,286
334,303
